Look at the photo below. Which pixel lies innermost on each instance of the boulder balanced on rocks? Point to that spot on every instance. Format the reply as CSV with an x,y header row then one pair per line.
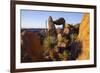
x,y
60,21
51,24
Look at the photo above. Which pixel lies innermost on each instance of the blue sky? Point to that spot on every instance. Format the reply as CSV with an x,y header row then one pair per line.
x,y
38,19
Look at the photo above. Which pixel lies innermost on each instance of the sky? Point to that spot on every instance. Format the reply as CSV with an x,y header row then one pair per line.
x,y
38,19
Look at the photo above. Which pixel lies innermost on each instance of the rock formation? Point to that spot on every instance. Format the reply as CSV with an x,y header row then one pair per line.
x,y
52,32
84,37
31,49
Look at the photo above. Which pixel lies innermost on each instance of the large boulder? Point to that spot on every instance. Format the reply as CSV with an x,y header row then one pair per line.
x,y
60,21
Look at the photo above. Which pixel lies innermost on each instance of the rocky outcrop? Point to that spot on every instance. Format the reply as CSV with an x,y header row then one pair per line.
x,y
84,34
31,48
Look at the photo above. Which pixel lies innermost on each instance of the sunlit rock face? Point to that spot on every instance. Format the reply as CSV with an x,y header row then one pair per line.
x,y
84,37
